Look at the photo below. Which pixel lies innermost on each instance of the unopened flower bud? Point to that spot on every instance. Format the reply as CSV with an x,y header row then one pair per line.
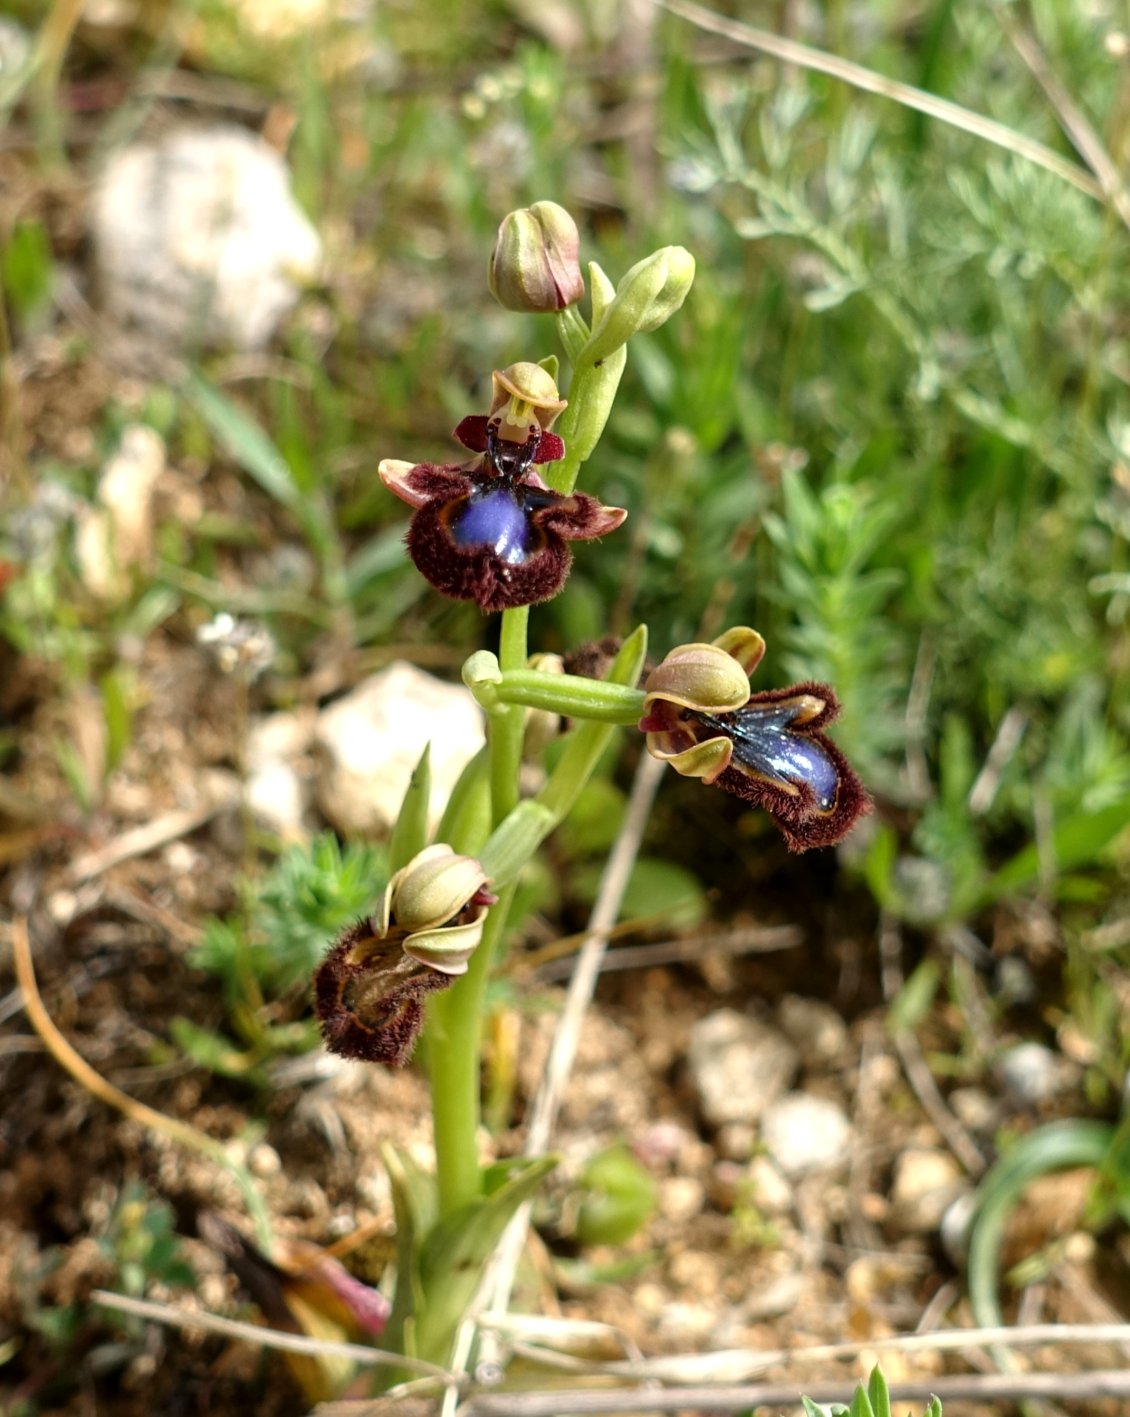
x,y
432,889
702,676
535,265
647,296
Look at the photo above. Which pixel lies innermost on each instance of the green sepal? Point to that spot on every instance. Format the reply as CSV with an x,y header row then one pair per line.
x,y
410,834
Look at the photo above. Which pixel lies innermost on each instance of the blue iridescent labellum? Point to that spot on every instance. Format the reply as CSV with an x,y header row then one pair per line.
x,y
494,517
763,743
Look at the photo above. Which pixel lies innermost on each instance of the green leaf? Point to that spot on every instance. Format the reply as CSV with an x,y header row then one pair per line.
x,y
246,442
1052,1148
913,1000
878,1393
410,834
619,1197
450,1261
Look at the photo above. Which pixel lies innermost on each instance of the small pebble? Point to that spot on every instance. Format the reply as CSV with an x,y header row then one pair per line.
x,y
926,1182
805,1134
737,1066
1033,1073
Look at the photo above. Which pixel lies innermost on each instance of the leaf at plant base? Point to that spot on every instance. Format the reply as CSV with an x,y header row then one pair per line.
x,y
415,1207
410,834
1052,1148
450,1261
878,1392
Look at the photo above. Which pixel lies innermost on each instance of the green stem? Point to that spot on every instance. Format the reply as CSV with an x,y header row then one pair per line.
x,y
591,394
571,694
454,1038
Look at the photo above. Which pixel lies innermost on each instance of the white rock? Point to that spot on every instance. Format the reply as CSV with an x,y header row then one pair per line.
x,y
955,1225
926,1183
771,1193
737,1066
1033,1073
197,237
371,741
279,799
804,1134
114,537
15,48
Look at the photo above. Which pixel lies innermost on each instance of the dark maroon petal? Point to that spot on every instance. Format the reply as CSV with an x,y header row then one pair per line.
x,y
370,1007
472,432
579,517
550,448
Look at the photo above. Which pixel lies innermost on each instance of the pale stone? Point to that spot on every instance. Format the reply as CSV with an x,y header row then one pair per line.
x,y
1033,1073
198,238
926,1182
114,537
279,789
814,1026
737,1066
371,741
772,1194
805,1134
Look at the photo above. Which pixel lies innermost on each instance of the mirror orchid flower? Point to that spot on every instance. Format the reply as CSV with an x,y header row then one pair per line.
x,y
490,530
369,990
768,748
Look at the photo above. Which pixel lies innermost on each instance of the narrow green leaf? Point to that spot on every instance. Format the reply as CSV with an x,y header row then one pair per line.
x,y
410,834
878,1392
452,1257
914,999
1051,1148
245,441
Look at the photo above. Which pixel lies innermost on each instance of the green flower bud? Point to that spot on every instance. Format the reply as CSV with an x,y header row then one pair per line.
x,y
431,890
647,296
535,264
712,678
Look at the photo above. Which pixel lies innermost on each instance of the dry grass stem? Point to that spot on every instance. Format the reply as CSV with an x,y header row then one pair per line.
x,y
803,55
914,1064
266,1337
